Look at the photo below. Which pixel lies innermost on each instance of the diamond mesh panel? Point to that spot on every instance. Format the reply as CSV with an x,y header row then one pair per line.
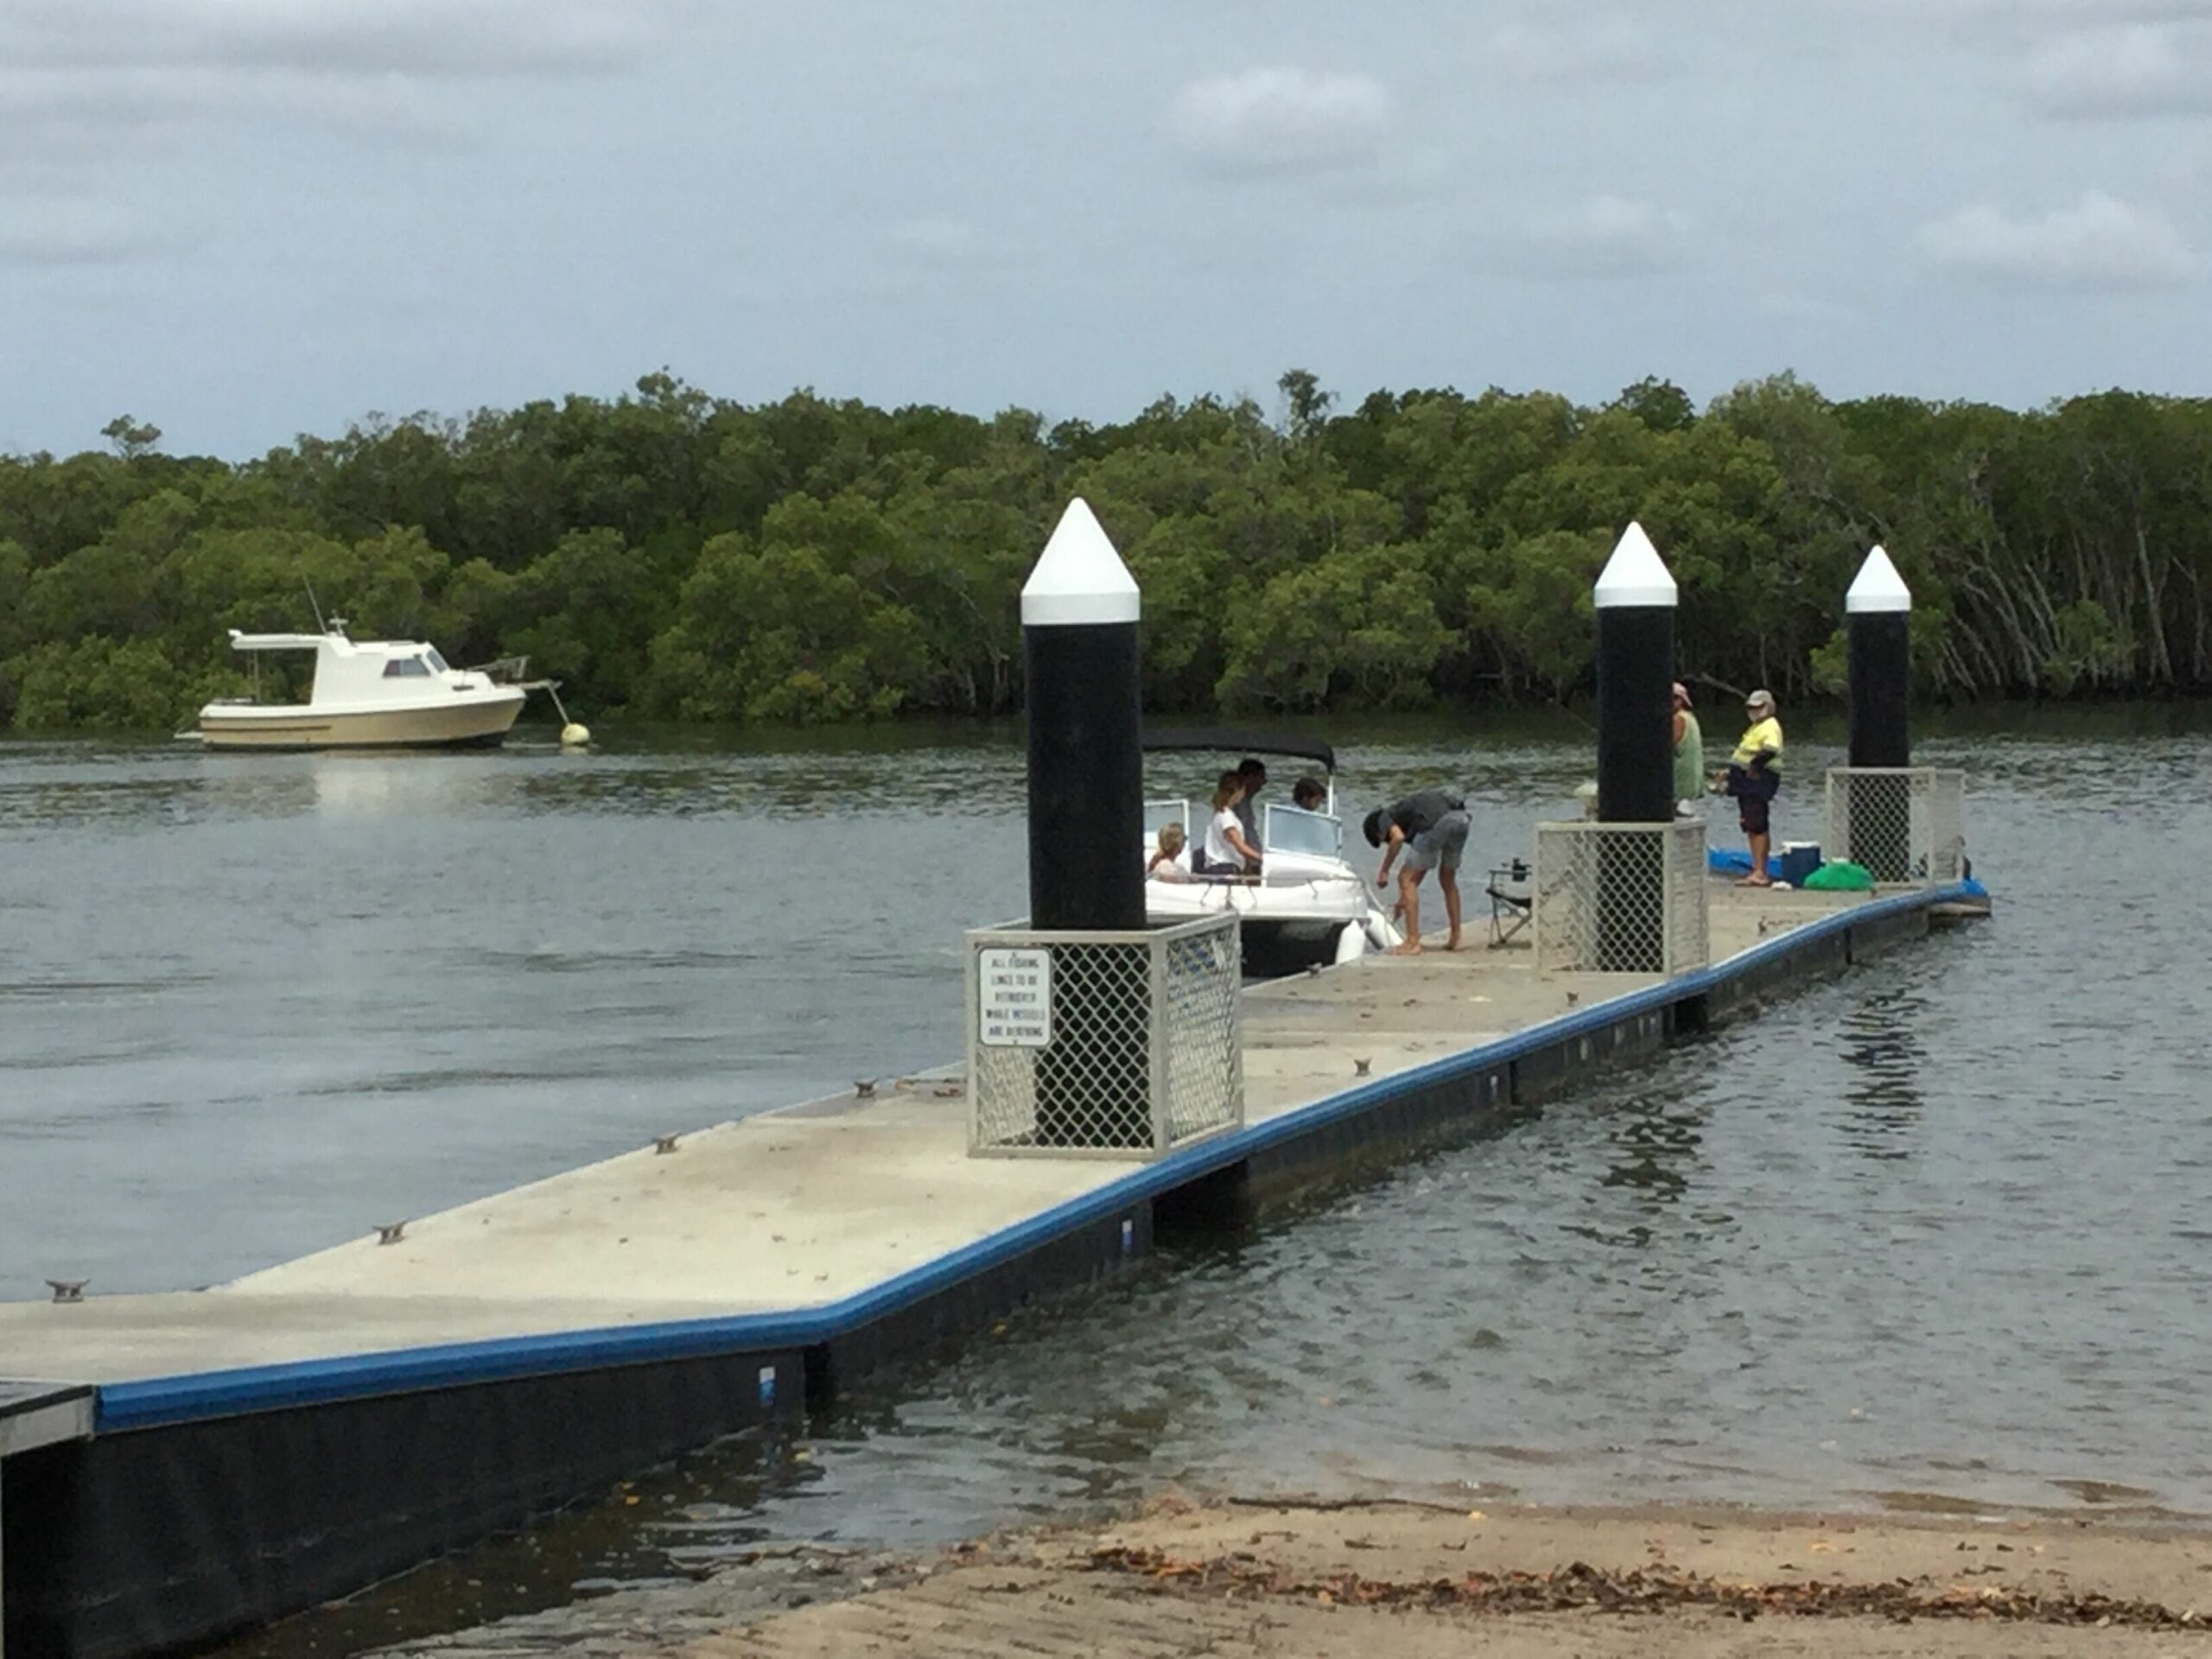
x,y
1689,942
1905,825
1204,1032
1620,898
1146,1048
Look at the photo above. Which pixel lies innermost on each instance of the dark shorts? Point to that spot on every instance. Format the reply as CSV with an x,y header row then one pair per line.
x,y
1754,789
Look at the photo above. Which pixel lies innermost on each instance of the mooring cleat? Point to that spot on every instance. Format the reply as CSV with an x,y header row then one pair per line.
x,y
663,1145
67,1290
388,1232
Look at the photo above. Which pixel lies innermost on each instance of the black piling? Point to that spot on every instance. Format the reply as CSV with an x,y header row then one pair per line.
x,y
1079,615
1634,602
1878,612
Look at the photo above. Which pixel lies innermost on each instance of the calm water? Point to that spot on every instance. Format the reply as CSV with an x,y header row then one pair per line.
x,y
1941,1229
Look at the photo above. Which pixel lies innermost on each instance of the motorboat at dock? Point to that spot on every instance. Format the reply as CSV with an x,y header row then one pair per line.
x,y
367,694
1308,904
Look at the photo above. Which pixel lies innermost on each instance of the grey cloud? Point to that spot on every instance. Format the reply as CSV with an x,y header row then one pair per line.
x,y
934,238
1798,306
2099,243
74,230
82,84
455,38
1282,121
1607,237
1606,46
2137,69
104,110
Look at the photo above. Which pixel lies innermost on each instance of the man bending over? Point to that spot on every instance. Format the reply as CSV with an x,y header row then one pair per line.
x,y
1430,828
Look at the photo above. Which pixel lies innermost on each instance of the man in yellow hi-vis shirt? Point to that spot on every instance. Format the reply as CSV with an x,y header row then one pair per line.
x,y
1754,775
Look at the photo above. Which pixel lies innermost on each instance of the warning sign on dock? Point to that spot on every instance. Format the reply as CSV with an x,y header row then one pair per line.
x,y
1015,1006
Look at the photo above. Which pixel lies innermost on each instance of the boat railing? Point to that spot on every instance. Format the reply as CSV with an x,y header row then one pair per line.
x,y
505,670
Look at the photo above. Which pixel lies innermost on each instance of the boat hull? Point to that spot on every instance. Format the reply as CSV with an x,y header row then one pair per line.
x,y
1285,927
469,724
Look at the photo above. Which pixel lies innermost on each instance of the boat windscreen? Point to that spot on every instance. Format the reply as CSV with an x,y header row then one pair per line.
x,y
1292,830
430,656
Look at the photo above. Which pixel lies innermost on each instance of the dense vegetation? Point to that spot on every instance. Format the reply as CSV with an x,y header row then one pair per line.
x,y
807,560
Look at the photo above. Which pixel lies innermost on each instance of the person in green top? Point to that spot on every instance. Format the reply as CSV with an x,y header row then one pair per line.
x,y
1689,755
1753,776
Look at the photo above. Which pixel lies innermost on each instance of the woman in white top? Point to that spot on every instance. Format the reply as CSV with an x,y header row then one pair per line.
x,y
1227,853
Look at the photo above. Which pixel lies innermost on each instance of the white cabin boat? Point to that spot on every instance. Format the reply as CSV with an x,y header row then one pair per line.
x,y
1308,903
367,694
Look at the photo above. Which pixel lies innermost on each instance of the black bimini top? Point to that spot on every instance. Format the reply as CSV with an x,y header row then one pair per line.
x,y
1230,740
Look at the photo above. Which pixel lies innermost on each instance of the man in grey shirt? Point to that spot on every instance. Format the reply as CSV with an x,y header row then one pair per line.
x,y
1254,771
1430,827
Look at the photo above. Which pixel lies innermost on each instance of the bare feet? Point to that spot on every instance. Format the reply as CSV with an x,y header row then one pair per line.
x,y
1410,948
1454,944
1756,881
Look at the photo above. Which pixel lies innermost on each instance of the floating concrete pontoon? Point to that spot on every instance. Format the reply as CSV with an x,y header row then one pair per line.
x,y
297,1434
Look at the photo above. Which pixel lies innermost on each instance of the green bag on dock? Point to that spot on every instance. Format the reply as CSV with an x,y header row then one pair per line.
x,y
1839,876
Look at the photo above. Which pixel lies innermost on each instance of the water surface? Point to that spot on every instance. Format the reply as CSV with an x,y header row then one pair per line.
x,y
1937,1232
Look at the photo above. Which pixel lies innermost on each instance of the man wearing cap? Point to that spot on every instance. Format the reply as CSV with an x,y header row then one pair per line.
x,y
1430,828
1754,775
1689,755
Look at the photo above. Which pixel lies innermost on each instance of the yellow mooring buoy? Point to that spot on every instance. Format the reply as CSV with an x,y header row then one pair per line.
x,y
574,735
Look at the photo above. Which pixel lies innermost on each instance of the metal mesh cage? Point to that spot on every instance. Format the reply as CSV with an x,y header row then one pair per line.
x,y
1621,897
1904,824
1104,1043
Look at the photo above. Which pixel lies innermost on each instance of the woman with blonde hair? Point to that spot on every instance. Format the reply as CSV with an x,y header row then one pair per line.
x,y
1164,866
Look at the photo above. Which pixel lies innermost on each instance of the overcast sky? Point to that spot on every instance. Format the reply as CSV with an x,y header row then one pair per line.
x,y
244,218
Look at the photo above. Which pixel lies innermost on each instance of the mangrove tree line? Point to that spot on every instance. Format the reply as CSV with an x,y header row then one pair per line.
x,y
682,557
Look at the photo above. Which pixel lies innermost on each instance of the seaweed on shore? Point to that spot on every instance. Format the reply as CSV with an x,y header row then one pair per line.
x,y
1582,1588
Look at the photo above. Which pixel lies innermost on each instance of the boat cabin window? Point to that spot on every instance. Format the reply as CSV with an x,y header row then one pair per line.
x,y
436,662
406,668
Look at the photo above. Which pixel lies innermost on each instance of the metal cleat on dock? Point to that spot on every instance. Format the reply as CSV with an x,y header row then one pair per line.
x,y
388,1232
67,1290
663,1145
1359,1067
865,1088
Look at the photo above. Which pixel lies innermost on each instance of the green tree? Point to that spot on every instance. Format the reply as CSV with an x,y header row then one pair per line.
x,y
1660,404
1362,627
131,438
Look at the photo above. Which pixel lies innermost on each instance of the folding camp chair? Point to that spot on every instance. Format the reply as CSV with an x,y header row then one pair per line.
x,y
1511,904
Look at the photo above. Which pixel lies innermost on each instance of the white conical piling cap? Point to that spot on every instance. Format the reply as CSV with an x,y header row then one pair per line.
x,y
1079,579
1877,587
1634,574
